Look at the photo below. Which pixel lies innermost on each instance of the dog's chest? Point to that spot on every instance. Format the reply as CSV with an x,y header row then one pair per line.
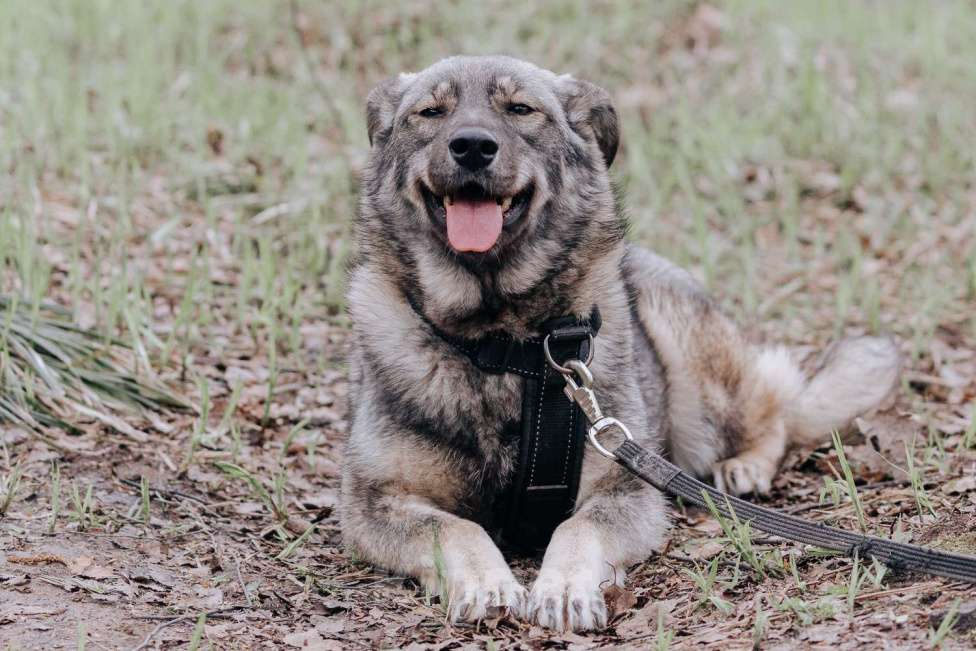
x,y
475,403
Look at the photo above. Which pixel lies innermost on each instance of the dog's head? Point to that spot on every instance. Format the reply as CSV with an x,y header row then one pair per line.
x,y
488,164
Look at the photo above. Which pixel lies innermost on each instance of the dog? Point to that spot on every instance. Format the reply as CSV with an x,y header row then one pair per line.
x,y
486,206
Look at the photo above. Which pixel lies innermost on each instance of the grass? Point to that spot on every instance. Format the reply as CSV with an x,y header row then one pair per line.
x,y
706,580
849,484
738,534
258,142
272,500
937,637
969,439
197,638
9,487
83,504
922,501
55,497
665,636
52,372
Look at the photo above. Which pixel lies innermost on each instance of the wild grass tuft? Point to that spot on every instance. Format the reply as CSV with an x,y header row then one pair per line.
x,y
922,501
739,535
937,637
849,484
9,487
706,579
52,371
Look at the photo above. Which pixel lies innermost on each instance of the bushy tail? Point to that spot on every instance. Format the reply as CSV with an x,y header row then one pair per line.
x,y
852,376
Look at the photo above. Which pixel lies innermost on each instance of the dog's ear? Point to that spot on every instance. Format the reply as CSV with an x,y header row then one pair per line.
x,y
381,106
590,112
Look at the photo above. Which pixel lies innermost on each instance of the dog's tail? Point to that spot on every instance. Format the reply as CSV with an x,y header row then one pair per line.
x,y
851,377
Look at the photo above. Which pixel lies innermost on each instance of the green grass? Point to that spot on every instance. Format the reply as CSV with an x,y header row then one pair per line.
x,y
52,372
229,135
849,485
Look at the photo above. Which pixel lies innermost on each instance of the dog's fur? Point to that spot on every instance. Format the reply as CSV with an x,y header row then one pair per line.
x,y
434,440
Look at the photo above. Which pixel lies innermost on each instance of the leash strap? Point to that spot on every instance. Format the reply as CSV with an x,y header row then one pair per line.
x,y
667,477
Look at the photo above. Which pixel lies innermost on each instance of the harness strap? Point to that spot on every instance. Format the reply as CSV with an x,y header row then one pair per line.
x,y
667,477
551,448
553,429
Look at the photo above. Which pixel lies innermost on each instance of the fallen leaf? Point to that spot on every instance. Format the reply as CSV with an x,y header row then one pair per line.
x,y
309,639
961,485
80,564
618,600
209,598
703,549
11,580
153,574
97,572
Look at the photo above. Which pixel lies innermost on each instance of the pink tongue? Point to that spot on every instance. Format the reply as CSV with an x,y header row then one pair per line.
x,y
473,225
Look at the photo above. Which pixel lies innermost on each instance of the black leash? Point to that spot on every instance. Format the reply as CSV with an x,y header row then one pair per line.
x,y
667,477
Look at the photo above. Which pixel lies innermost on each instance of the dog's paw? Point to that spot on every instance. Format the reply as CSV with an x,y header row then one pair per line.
x,y
567,602
741,475
474,597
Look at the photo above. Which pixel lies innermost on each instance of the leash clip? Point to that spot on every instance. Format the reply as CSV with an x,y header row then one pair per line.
x,y
582,394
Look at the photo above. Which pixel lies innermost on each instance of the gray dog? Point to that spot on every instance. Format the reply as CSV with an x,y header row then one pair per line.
x,y
486,207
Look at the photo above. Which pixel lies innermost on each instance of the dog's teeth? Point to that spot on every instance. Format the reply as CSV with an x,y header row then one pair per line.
x,y
506,203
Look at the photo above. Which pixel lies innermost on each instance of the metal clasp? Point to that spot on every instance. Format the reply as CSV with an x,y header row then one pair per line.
x,y
602,425
563,369
581,393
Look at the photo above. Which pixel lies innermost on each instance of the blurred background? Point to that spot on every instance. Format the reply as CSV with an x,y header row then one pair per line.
x,y
207,152
178,179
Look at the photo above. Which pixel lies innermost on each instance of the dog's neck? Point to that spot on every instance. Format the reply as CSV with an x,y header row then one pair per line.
x,y
476,304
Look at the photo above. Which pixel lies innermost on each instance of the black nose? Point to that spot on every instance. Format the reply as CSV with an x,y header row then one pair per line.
x,y
473,148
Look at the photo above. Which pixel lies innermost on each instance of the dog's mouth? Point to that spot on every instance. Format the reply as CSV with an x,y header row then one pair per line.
x,y
473,217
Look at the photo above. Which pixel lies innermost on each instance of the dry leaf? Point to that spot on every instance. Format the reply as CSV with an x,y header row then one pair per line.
x,y
618,600
309,639
961,485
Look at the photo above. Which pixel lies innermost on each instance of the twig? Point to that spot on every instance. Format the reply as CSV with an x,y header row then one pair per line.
x,y
164,493
240,579
182,618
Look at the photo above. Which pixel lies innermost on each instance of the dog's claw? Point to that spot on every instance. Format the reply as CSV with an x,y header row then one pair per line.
x,y
473,598
567,603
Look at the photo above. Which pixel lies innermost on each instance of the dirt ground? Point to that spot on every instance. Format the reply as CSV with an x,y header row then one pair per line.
x,y
108,577
217,527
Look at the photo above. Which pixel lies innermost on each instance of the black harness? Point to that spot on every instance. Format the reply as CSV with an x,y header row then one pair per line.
x,y
553,429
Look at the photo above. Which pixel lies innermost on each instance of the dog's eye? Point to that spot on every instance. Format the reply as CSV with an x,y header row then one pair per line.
x,y
520,109
432,112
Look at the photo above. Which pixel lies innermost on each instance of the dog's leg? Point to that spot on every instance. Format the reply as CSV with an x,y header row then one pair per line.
x,y
752,470
782,406
450,556
771,384
591,550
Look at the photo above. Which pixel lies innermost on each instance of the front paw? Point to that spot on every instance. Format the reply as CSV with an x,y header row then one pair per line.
x,y
472,596
567,602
